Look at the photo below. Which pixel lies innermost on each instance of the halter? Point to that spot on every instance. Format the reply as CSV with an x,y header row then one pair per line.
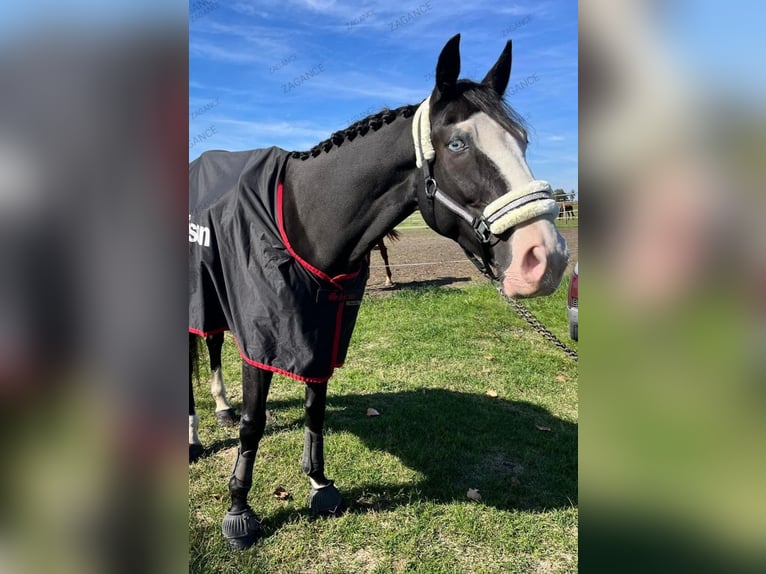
x,y
507,211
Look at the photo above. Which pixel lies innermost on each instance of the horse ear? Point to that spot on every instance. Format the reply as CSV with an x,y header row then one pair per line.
x,y
448,66
497,78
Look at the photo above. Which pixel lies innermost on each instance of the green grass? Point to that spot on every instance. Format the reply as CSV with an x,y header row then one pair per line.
x,y
425,360
567,223
414,221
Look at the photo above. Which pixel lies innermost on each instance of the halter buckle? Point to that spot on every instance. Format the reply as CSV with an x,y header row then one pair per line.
x,y
431,187
481,228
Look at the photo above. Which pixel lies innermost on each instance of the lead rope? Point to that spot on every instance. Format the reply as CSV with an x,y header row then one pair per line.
x,y
534,322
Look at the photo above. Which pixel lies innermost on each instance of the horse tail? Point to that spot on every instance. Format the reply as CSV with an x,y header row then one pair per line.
x,y
393,235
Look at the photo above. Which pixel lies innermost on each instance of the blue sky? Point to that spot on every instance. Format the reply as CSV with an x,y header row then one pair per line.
x,y
291,72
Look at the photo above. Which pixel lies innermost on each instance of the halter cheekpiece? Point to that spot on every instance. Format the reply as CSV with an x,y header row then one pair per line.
x,y
507,211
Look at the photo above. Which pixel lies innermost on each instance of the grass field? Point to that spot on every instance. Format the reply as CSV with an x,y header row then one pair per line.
x,y
426,360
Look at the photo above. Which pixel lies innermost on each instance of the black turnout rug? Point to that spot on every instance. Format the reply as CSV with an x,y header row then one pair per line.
x,y
286,316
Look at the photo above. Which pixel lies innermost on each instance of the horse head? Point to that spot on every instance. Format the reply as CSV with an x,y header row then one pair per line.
x,y
479,189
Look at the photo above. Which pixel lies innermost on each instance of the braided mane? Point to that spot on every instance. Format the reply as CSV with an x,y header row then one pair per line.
x,y
372,122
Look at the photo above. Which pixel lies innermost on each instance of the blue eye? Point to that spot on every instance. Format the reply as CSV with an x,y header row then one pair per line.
x,y
456,145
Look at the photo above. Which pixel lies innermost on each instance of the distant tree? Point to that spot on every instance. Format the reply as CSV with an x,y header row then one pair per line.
x,y
559,194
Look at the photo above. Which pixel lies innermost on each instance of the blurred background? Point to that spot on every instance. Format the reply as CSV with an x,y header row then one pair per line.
x,y
672,386
93,162
93,135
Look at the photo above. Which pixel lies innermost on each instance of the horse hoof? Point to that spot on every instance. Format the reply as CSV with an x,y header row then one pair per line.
x,y
227,418
195,452
241,529
326,501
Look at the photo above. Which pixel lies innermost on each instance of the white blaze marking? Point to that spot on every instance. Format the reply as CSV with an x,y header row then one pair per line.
x,y
503,150
500,147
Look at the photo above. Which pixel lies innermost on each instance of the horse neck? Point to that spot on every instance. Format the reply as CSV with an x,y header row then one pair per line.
x,y
338,205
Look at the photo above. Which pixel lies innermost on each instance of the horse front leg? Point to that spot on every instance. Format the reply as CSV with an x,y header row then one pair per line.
x,y
224,414
195,444
324,498
241,526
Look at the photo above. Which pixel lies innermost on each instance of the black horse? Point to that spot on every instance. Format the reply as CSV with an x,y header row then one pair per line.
x,y
459,156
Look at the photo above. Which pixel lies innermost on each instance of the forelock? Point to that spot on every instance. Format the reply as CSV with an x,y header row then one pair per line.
x,y
468,98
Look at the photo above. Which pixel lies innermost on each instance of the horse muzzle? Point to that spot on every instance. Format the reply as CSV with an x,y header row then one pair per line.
x,y
539,257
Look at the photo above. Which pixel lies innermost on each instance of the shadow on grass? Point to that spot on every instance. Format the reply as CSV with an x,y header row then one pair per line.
x,y
417,285
221,445
518,455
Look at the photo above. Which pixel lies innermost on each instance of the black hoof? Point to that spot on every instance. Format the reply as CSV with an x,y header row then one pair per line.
x,y
241,528
326,501
195,452
227,418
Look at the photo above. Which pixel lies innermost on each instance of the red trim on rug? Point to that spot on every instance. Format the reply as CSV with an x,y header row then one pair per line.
x,y
263,366
194,331
336,281
305,264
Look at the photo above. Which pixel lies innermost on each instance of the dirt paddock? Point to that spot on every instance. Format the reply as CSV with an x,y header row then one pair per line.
x,y
423,258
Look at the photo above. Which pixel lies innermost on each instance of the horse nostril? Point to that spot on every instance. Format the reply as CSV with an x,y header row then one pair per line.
x,y
533,264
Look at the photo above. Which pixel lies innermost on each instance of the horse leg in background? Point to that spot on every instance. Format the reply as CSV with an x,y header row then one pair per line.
x,y
241,526
384,255
195,445
324,497
224,414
